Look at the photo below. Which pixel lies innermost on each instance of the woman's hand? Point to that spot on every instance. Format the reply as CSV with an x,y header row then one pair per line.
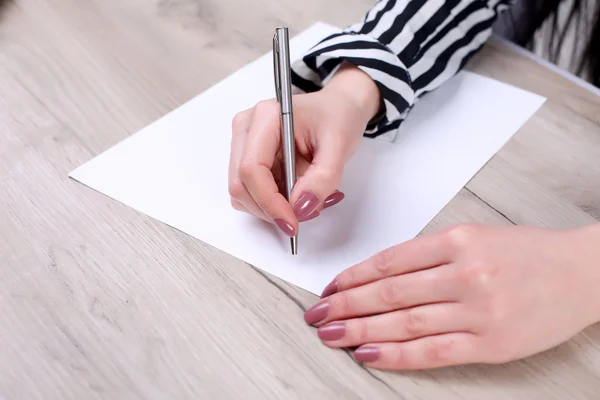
x,y
328,126
467,294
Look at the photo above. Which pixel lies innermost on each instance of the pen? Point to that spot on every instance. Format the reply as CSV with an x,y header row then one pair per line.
x,y
283,93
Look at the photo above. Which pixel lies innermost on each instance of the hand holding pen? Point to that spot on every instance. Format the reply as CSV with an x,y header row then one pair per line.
x,y
327,126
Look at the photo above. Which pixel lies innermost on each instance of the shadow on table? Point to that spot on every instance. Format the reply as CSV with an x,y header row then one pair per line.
x,y
569,359
342,227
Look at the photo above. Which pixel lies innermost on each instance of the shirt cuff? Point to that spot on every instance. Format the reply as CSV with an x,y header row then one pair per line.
x,y
314,69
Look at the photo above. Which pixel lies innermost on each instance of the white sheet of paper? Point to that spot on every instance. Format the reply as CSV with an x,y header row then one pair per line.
x,y
175,170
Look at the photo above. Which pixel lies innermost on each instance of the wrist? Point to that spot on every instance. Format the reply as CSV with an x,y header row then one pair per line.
x,y
357,87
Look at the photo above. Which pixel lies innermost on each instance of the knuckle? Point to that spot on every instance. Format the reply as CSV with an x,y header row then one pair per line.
x,y
361,329
341,303
238,121
438,351
473,272
236,191
236,205
479,274
400,359
415,323
390,293
383,261
266,108
267,203
459,236
245,171
347,277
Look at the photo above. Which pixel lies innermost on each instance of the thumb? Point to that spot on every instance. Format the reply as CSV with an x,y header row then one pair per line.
x,y
317,187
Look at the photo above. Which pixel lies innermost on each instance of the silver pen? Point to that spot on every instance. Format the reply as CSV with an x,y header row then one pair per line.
x,y
283,92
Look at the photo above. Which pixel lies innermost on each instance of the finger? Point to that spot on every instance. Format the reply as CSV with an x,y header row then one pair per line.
x,y
389,294
277,169
333,199
320,180
422,252
277,172
260,149
239,206
240,197
425,353
397,326
239,130
301,166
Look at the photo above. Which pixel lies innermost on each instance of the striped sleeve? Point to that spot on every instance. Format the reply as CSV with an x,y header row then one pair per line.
x,y
408,47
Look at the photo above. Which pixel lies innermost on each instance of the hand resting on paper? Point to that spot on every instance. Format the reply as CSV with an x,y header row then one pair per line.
x,y
328,126
465,294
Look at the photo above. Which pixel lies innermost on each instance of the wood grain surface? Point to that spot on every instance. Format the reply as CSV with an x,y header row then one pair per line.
x,y
98,301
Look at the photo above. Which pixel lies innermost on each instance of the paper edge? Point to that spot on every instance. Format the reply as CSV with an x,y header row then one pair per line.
x,y
537,102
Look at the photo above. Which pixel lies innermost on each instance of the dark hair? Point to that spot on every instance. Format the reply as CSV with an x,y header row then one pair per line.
x,y
591,57
3,6
530,19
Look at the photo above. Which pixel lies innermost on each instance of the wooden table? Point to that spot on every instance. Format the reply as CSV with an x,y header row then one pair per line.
x,y
101,302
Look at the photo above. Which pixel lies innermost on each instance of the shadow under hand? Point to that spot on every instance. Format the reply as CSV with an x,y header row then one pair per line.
x,y
562,365
340,227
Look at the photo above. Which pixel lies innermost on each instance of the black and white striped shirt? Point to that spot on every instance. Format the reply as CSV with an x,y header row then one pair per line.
x,y
408,47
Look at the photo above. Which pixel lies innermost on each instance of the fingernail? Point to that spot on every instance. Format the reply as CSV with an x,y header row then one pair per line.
x,y
317,313
334,331
314,215
330,289
333,199
285,227
305,205
366,354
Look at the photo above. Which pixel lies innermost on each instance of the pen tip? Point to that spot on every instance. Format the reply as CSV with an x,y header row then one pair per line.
x,y
294,243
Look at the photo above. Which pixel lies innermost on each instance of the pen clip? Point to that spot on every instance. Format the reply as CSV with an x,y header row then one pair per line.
x,y
276,64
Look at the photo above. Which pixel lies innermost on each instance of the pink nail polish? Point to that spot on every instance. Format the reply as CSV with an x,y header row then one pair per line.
x,y
333,331
330,289
333,199
316,313
285,227
366,354
314,215
305,205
